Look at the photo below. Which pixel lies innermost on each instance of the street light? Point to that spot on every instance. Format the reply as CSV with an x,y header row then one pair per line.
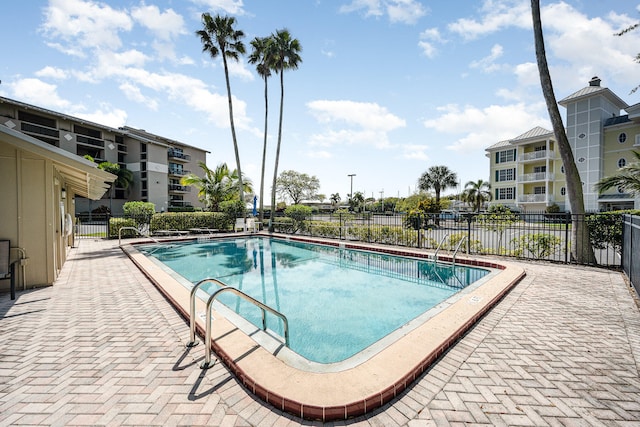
x,y
351,175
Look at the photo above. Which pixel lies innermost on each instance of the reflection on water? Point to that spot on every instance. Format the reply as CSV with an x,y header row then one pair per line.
x,y
338,301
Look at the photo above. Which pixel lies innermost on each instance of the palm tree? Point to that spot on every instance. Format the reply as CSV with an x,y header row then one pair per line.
x,y
124,178
260,56
217,185
438,178
627,178
476,193
335,199
581,247
284,54
218,37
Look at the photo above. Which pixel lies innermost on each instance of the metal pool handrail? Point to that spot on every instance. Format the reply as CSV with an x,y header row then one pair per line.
x,y
137,231
457,248
435,255
207,330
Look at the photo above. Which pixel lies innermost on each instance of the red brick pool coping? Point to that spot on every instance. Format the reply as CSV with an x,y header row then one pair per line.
x,y
355,391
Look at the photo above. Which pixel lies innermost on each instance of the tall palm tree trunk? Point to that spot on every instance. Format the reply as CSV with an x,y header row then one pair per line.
x,y
233,132
275,168
264,150
581,248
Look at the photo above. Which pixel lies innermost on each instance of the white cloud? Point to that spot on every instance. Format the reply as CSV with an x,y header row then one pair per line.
x,y
362,114
403,11
84,24
114,117
39,93
165,25
427,37
350,122
415,152
496,15
479,128
233,7
134,93
52,72
488,64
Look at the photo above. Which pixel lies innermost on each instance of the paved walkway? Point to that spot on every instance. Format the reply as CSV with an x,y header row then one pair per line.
x,y
102,347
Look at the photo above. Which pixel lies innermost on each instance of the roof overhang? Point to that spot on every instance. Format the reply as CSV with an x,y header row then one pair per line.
x,y
82,176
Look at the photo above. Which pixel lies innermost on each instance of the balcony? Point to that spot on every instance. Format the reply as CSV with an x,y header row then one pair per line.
x,y
90,141
535,198
179,155
179,203
536,176
536,155
178,172
122,148
177,188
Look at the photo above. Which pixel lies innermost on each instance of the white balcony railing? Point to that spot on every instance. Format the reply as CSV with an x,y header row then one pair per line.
x,y
536,176
537,155
535,198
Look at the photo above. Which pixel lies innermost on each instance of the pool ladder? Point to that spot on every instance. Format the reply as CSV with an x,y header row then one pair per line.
x,y
455,252
207,329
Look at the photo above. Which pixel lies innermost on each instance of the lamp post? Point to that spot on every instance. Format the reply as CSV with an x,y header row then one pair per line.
x,y
351,175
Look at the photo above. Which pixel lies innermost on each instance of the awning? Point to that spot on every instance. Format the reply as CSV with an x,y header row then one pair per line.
x,y
81,175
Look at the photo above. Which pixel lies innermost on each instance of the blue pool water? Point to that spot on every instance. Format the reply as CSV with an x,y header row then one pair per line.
x,y
337,301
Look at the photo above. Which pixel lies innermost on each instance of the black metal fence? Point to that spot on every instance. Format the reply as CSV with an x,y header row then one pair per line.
x,y
538,236
631,250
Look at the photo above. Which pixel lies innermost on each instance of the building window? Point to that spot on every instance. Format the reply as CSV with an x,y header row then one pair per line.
x,y
621,190
540,148
505,175
506,156
505,193
582,135
34,118
539,190
562,168
622,162
581,160
622,138
563,191
539,169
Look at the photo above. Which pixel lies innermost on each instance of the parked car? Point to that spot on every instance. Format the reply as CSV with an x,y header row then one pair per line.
x,y
450,214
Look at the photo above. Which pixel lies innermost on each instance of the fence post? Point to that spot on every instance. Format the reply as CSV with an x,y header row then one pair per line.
x,y
567,243
419,230
340,225
469,234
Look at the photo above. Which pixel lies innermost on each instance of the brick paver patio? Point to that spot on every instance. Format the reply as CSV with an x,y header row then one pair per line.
x,y
102,347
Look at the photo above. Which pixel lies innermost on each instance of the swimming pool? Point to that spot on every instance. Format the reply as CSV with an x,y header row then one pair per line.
x,y
339,302
353,389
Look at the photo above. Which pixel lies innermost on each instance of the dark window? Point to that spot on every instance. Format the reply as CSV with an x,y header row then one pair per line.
x,y
34,118
88,132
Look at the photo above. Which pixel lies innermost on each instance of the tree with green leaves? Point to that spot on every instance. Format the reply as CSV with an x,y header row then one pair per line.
x,y
356,201
626,30
124,178
581,248
297,186
260,57
627,178
476,193
284,54
220,38
217,185
335,199
438,179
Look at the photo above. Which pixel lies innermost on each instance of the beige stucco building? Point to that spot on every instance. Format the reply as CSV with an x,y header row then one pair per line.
x,y
527,171
39,184
157,163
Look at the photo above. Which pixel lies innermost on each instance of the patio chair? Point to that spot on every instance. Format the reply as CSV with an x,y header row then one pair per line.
x,y
239,225
7,268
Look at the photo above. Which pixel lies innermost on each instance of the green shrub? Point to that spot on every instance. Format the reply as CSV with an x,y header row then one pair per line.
x,y
284,224
299,214
605,228
188,220
115,224
232,209
539,245
324,229
140,212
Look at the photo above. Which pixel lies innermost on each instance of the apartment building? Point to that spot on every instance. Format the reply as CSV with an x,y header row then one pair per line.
x,y
527,171
157,163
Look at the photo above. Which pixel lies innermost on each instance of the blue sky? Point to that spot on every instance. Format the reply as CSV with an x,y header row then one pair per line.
x,y
386,89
